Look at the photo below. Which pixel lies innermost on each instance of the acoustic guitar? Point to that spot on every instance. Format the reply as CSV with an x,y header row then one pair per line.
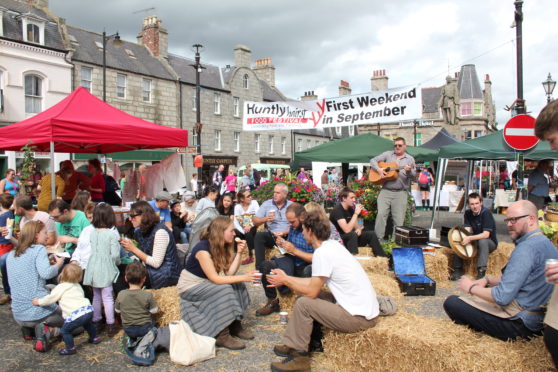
x,y
391,170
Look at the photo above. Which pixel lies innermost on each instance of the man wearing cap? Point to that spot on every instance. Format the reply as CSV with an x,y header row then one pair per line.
x,y
72,180
188,210
161,206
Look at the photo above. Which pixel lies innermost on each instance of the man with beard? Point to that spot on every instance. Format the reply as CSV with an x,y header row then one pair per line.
x,y
511,306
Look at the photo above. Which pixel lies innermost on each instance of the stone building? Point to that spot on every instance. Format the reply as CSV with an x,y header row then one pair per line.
x,y
35,72
460,106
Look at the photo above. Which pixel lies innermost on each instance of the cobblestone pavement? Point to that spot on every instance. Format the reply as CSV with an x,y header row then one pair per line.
x,y
18,355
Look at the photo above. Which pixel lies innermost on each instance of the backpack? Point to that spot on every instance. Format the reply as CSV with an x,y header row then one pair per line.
x,y
110,184
424,178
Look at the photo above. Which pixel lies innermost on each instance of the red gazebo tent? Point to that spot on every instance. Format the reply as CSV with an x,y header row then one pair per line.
x,y
82,123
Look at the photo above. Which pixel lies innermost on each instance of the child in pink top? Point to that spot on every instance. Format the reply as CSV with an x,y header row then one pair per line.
x,y
230,180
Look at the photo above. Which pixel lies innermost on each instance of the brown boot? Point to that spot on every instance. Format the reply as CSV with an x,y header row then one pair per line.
x,y
272,306
285,351
237,330
4,300
224,339
294,364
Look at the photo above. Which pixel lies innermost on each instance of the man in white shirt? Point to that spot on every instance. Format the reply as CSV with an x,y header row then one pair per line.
x,y
356,307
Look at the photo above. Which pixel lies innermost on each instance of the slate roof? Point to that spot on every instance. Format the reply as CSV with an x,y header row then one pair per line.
x,y
468,83
13,10
209,78
442,138
431,99
144,63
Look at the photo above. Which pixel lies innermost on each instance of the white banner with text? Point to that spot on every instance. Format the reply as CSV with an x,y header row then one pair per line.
x,y
378,107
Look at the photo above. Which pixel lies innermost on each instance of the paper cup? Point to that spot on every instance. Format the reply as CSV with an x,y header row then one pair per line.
x,y
547,263
283,317
259,281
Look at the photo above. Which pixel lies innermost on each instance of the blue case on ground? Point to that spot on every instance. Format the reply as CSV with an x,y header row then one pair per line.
x,y
410,273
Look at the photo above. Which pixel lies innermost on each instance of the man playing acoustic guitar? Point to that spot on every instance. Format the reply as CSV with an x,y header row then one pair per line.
x,y
393,196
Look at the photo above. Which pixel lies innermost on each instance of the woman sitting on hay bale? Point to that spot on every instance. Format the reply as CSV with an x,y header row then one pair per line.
x,y
157,248
211,303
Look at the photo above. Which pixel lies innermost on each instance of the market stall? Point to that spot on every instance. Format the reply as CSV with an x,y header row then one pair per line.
x,y
82,123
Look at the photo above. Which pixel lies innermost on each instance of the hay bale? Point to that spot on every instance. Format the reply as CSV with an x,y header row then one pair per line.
x,y
469,266
499,258
405,342
437,267
287,301
375,265
168,302
365,252
385,285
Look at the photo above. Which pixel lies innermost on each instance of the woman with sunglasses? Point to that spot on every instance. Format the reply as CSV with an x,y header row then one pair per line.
x,y
156,246
244,228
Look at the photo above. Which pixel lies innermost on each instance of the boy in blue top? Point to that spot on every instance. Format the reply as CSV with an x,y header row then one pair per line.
x,y
161,206
295,262
6,201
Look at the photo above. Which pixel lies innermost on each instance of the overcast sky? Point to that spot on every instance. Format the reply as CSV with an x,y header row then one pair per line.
x,y
316,43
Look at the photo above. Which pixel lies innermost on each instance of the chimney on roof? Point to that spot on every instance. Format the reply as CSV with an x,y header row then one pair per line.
x,y
154,37
265,71
242,56
344,88
379,80
309,96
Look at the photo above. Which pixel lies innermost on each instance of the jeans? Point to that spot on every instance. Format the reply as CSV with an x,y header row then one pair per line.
x,y
551,342
185,234
103,295
136,331
352,241
4,271
287,264
262,241
504,329
85,321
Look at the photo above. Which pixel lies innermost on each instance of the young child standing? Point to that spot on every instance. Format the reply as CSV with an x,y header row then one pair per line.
x,y
6,218
102,268
135,305
76,309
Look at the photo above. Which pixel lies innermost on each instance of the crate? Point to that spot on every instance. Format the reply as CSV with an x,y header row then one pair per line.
x,y
410,272
411,235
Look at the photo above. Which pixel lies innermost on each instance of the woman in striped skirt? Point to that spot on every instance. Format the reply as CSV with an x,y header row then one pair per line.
x,y
213,298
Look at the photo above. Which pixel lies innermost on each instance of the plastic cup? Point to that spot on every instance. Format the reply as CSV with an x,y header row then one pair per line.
x,y
258,282
283,317
271,214
547,263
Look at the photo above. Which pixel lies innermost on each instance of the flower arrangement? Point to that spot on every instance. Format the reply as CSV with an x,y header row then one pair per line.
x,y
300,192
367,195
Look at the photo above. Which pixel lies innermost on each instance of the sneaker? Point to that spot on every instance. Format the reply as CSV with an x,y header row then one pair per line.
x,y
5,299
94,341
295,364
271,307
247,261
67,351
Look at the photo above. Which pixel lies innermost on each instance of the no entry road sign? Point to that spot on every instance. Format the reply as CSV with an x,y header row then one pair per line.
x,y
519,132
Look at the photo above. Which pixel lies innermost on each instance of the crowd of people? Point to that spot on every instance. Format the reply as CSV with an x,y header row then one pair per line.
x,y
69,266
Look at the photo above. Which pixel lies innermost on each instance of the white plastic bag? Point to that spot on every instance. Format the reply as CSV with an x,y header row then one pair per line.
x,y
187,347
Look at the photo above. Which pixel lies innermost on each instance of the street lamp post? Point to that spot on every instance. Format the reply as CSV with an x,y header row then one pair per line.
x,y
116,42
548,86
198,127
518,18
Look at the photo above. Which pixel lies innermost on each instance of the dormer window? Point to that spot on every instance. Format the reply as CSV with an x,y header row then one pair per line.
x,y
33,33
33,29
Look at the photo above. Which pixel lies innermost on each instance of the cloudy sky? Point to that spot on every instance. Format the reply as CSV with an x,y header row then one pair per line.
x,y
316,43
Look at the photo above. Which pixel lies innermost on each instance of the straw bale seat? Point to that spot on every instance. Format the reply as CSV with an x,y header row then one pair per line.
x,y
496,260
406,342
168,303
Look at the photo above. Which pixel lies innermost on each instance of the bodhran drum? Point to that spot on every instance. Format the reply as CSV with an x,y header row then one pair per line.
x,y
455,237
